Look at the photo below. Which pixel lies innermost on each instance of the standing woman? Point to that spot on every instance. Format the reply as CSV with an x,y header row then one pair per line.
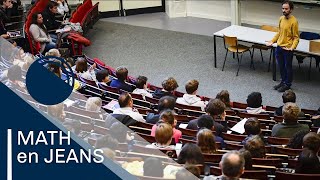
x,y
40,34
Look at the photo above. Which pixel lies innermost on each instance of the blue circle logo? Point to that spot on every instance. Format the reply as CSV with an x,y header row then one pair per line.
x,y
50,80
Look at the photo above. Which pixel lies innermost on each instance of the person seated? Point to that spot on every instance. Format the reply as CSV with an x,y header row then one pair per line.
x,y
216,109
254,102
168,86
190,154
81,69
207,122
40,34
57,111
287,96
153,167
122,75
5,5
141,87
167,116
206,141
13,11
311,141
225,98
308,162
165,103
191,98
102,77
106,141
248,159
14,75
53,52
126,107
63,7
55,67
252,127
93,104
290,126
256,147
49,17
163,136
189,172
296,141
231,165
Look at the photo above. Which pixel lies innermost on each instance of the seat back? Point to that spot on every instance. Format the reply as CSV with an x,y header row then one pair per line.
x,y
288,151
314,46
230,41
277,162
249,174
295,176
278,141
259,116
270,28
233,137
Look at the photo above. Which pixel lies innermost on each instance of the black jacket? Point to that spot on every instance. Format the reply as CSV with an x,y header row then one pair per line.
x,y
219,128
49,20
3,19
152,118
159,94
124,119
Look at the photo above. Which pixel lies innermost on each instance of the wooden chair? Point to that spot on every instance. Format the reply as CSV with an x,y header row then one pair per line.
x,y
185,107
259,116
310,111
239,105
277,162
87,127
278,141
212,158
295,176
233,137
231,44
151,178
232,146
160,152
144,125
92,114
288,151
188,132
249,174
270,108
140,130
152,100
100,130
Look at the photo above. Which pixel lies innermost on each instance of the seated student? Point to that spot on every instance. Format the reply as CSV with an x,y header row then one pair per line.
x,y
163,136
165,103
225,98
247,157
169,85
153,167
63,7
311,141
53,52
126,107
189,172
82,70
216,109
57,111
287,96
206,141
290,126
55,68
40,34
191,98
49,17
141,87
167,116
297,139
122,75
5,4
13,11
106,141
14,75
190,154
308,163
256,147
252,127
102,77
254,102
94,104
74,126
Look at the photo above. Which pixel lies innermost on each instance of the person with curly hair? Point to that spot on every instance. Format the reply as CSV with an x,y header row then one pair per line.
x,y
168,86
206,141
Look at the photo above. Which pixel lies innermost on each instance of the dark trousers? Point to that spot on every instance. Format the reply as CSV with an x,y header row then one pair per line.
x,y
284,61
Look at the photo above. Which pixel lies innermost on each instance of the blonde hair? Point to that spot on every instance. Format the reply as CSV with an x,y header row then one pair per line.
x,y
290,112
53,52
164,133
93,104
206,141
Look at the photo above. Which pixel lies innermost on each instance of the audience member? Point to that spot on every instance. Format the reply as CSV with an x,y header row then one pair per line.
x,y
153,167
14,75
248,159
82,70
231,165
72,125
296,141
169,85
189,172
256,147
190,154
290,126
163,136
122,75
311,141
49,17
102,77
225,98
206,141
57,111
165,103
216,109
106,141
167,116
308,163
287,96
55,67
141,87
254,102
191,98
252,127
94,104
126,107
13,10
40,33
5,4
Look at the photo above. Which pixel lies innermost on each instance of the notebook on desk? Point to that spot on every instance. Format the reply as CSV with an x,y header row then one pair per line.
x,y
14,33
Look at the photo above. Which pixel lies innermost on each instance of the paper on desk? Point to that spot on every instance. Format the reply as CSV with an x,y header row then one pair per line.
x,y
68,102
239,127
183,126
112,105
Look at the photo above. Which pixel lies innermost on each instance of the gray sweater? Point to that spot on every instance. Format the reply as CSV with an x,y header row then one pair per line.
x,y
39,35
285,130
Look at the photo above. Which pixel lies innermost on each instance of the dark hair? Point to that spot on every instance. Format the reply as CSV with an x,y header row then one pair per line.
x,y
247,158
124,99
170,84
14,73
255,146
190,154
288,96
205,121
54,67
308,162
167,116
34,20
81,65
72,125
141,81
153,167
215,107
288,2
297,139
52,4
192,86
119,132
101,75
312,141
230,168
166,102
106,141
122,73
188,173
252,126
254,100
224,97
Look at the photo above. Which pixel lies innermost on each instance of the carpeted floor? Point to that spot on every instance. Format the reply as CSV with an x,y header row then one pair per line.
x,y
160,53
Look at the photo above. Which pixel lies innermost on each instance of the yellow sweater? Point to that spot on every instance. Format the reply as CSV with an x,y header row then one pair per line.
x,y
288,35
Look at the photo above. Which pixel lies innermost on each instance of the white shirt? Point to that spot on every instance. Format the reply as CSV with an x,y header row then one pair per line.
x,y
191,100
63,8
128,111
143,92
